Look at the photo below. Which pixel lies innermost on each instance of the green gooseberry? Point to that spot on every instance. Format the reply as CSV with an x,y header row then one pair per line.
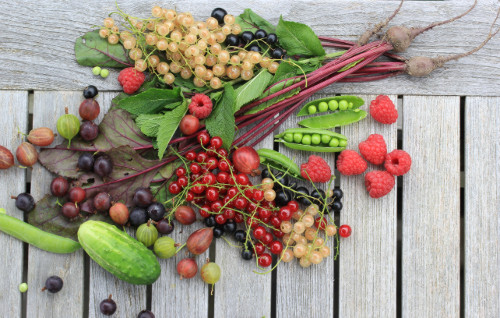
x,y
333,105
23,287
68,126
96,70
322,107
164,247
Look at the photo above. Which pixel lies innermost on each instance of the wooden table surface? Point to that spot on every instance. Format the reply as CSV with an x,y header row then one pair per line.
x,y
428,249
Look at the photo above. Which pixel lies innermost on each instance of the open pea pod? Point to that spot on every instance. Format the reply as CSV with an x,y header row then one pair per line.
x,y
341,118
311,147
279,162
353,102
309,139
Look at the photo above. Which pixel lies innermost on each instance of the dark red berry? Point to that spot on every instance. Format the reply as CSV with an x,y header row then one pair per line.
x,y
201,157
275,221
174,188
285,214
204,211
182,181
267,239
216,142
276,247
258,195
194,168
89,109
143,197
190,155
223,165
209,179
345,230
238,217
220,219
88,130
252,222
259,232
212,194
181,171
76,195
259,248
222,177
278,233
320,223
242,179
216,206
265,260
203,138
70,210
240,203
189,196
164,226
293,206
212,163
229,214
59,187
102,201
222,152
264,213
232,192
198,188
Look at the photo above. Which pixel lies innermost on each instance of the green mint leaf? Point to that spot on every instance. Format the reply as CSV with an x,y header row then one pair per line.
x,y
149,124
92,50
298,39
251,21
221,121
252,89
168,126
152,101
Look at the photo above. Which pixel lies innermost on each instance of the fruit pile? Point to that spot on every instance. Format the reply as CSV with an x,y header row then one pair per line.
x,y
210,52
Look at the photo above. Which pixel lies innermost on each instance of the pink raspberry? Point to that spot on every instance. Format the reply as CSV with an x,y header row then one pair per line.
x,y
383,110
201,106
351,163
131,79
316,169
398,162
373,149
379,183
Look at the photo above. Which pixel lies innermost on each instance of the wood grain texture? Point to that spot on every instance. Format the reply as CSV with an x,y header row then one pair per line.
x,y
130,299
173,297
367,266
14,109
431,207
241,292
48,106
482,206
38,49
299,290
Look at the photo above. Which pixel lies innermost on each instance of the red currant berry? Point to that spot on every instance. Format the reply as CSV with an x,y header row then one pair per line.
x,y
267,239
278,233
345,230
209,179
258,195
251,207
195,176
238,217
320,223
216,206
293,206
76,195
204,211
189,196
285,214
229,214
190,155
198,188
211,152
232,192
275,221
222,152
212,163
216,142
276,247
240,203
195,168
223,165
199,201
248,193
265,220
222,177
252,222
227,201
203,138
212,194
259,232
181,171
265,260
220,219
242,179
174,188
259,248
182,181
264,213
201,157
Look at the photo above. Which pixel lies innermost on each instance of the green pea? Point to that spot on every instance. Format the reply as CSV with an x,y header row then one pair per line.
x,y
306,140
342,143
350,105
288,137
297,137
23,287
315,139
322,107
343,104
334,142
312,109
333,105
325,139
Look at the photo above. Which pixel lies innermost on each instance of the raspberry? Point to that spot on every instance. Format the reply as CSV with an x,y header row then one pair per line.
x,y
398,162
316,169
374,149
383,110
201,106
351,163
131,79
379,183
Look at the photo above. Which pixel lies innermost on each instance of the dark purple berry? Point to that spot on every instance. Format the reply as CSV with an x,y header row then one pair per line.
x,y
138,216
102,201
218,14
107,306
156,211
272,38
260,34
53,284
277,53
246,36
70,210
86,161
59,187
143,197
103,166
90,91
25,202
164,226
88,130
146,314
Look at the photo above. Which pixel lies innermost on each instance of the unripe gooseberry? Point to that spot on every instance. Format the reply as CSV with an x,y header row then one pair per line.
x,y
210,273
68,126
165,247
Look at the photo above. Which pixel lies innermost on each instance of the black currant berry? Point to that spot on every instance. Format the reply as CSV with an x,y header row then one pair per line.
x,y
143,197
156,211
210,221
103,166
336,206
337,194
138,216
260,34
88,130
247,255
107,306
232,40
240,236
53,284
283,196
319,195
25,202
272,38
254,48
164,226
218,232
86,162
229,226
281,178
266,173
246,36
146,314
218,14
302,199
90,91
277,53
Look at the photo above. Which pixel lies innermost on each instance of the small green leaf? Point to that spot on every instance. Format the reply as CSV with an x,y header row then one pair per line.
x,y
187,85
251,21
149,124
221,121
252,89
298,39
152,101
168,126
92,50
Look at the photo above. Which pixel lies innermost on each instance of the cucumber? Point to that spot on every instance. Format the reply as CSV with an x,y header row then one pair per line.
x,y
118,253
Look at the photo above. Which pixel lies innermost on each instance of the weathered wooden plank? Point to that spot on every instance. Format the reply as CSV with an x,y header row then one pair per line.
x,y
238,283
130,299
431,207
299,288
48,106
482,204
175,297
47,39
14,108
367,266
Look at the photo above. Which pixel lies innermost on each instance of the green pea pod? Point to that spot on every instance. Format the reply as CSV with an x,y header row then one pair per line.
x,y
337,119
279,162
311,147
43,240
355,100
311,131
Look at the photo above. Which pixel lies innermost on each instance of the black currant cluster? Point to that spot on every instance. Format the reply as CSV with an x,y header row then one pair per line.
x,y
146,209
229,227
